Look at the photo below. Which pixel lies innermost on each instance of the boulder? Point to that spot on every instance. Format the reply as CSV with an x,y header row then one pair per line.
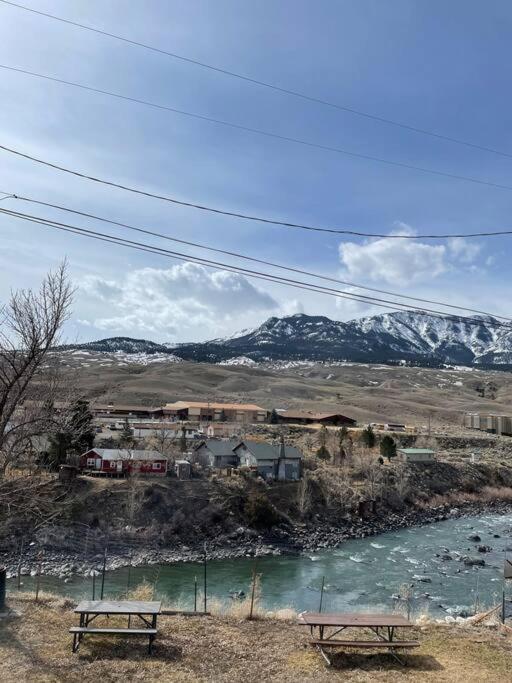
x,y
473,561
474,537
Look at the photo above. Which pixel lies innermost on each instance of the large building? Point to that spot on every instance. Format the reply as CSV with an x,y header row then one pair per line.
x,y
206,411
487,422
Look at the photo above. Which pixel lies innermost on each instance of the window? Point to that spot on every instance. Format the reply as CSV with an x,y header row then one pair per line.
x,y
90,462
157,466
113,464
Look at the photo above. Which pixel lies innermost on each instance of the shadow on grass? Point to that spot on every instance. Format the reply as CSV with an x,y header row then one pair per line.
x,y
347,661
94,649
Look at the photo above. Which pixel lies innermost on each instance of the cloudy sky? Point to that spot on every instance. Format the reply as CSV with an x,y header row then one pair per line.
x,y
437,66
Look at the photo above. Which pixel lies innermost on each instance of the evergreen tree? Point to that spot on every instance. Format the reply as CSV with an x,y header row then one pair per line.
x,y
388,447
59,445
223,416
81,427
368,437
126,437
183,440
274,417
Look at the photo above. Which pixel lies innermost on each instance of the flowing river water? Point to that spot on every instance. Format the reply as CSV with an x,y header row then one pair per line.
x,y
360,574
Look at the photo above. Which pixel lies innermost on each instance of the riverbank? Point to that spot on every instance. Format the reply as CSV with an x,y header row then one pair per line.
x,y
35,646
244,542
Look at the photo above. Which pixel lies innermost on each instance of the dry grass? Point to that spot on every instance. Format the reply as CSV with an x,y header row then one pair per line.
x,y
36,647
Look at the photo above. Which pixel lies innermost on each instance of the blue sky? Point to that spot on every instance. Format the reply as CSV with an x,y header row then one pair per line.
x,y
438,66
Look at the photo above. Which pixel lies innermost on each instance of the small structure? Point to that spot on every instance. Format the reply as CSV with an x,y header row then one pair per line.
x,y
410,455
122,462
309,417
217,453
183,469
271,462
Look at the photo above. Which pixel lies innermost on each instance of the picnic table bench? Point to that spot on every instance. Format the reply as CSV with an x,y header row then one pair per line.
x,y
89,610
382,625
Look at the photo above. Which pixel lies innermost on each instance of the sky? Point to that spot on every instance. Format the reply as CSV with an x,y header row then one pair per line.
x,y
442,67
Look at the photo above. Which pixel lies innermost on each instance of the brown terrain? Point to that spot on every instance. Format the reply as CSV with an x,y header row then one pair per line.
x,y
35,647
376,393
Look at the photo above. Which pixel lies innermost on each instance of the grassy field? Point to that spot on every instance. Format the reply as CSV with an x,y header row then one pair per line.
x,y
367,393
35,646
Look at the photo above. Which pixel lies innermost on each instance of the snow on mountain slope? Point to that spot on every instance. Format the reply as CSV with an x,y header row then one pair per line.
x,y
401,335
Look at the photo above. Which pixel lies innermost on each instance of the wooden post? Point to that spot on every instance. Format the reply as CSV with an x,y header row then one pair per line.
x,y
38,575
253,591
103,572
94,584
2,588
19,564
503,609
195,593
205,600
321,594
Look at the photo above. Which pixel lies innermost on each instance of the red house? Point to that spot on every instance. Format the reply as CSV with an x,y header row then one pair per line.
x,y
122,462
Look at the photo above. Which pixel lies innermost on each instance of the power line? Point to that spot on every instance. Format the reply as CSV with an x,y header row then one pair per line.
x,y
248,258
264,84
259,131
247,217
244,271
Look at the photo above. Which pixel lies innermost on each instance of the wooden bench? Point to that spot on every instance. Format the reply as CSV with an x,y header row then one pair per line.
x,y
366,643
79,631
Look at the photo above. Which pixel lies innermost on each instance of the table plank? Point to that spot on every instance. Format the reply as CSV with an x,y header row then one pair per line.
x,y
118,607
355,619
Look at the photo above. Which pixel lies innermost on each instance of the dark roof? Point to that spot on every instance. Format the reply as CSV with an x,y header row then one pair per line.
x,y
219,446
309,415
267,451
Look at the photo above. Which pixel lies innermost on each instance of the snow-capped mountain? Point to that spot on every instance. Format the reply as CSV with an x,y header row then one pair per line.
x,y
394,336
404,335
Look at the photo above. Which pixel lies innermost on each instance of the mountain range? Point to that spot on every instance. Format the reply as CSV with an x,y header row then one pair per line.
x,y
390,337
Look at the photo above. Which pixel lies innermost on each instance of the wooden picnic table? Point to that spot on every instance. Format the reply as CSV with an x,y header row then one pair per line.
x,y
89,610
328,625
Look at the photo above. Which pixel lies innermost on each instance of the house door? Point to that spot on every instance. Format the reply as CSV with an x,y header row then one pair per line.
x,y
98,463
120,466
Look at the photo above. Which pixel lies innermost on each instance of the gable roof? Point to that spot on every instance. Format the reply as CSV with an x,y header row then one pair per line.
x,y
219,446
262,450
309,415
125,454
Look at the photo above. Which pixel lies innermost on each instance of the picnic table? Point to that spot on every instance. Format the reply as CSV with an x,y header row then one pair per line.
x,y
89,610
328,625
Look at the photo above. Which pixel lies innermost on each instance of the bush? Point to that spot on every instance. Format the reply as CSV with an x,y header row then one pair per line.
x,y
260,512
368,437
323,453
387,447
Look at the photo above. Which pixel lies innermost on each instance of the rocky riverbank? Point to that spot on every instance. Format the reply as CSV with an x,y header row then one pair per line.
x,y
243,542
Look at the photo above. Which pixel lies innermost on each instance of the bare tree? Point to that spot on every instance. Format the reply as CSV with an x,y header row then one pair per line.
x,y
30,325
304,494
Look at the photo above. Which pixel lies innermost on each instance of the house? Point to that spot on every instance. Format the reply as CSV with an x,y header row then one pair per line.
x,y
122,462
270,461
172,430
410,455
208,411
217,453
310,417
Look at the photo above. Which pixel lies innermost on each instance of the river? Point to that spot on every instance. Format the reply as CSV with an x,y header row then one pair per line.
x,y
360,574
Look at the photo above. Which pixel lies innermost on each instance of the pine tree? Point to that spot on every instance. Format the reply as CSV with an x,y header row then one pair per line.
x,y
323,453
388,447
81,427
126,437
368,437
183,440
274,417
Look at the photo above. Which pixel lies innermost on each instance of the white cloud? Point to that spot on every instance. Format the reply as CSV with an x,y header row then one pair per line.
x,y
463,250
405,262
398,262
162,301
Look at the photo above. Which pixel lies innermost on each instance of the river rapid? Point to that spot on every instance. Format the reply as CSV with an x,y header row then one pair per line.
x,y
433,562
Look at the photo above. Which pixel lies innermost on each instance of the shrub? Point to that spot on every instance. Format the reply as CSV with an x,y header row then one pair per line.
x,y
388,447
368,437
323,453
260,512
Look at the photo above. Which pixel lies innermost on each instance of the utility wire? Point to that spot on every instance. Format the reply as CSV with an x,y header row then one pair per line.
x,y
247,272
247,217
248,258
259,131
264,84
